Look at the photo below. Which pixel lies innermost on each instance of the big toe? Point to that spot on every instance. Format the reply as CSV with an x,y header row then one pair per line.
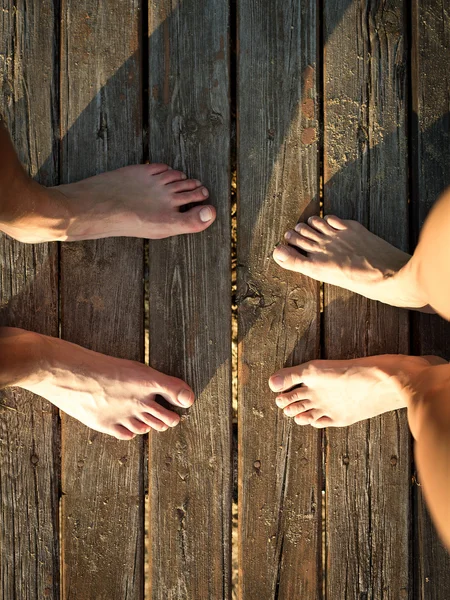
x,y
196,219
289,258
174,390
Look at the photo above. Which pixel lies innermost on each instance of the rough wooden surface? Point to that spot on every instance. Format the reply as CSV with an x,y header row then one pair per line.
x,y
190,309
366,170
431,175
29,452
372,550
278,311
101,300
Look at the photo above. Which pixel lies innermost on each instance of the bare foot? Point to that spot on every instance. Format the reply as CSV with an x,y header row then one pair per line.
x,y
346,254
144,201
338,393
111,395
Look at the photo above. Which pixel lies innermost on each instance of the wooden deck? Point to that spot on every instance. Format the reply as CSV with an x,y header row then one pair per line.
x,y
342,102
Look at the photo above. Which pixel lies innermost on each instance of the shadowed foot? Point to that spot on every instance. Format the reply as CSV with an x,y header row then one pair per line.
x,y
338,393
144,201
346,254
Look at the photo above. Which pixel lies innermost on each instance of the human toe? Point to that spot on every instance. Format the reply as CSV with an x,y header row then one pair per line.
x,y
301,393
196,219
295,239
323,422
296,408
156,423
157,411
137,426
287,378
157,168
335,222
308,417
170,176
308,232
174,390
321,225
289,258
184,185
197,195
122,433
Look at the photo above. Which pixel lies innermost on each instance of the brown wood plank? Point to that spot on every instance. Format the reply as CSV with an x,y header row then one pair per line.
x,y
431,175
29,457
366,169
190,314
280,463
102,299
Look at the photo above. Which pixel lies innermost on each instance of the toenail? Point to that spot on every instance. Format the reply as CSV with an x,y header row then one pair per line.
x,y
298,227
185,397
183,176
205,214
279,402
288,235
276,383
282,253
198,183
205,193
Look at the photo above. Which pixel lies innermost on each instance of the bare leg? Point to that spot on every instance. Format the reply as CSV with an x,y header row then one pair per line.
x,y
137,201
338,393
111,395
345,254
429,420
117,397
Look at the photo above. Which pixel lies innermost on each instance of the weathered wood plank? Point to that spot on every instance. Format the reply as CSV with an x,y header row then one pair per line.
x,y
366,169
29,457
102,299
280,463
431,175
190,314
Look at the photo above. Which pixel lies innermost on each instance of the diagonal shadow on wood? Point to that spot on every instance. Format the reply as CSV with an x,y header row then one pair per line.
x,y
105,132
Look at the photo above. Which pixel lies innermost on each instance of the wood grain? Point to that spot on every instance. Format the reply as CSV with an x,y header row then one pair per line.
x,y
431,175
29,455
101,300
190,304
278,312
366,171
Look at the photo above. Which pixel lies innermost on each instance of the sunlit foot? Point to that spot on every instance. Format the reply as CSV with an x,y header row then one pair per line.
x,y
144,201
111,395
346,254
338,393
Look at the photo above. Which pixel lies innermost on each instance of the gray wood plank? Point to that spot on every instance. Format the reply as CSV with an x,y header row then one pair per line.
x,y
366,169
190,314
29,455
280,463
101,299
431,175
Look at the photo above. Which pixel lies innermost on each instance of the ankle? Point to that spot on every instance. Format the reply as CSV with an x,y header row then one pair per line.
x,y
35,214
406,282
22,357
